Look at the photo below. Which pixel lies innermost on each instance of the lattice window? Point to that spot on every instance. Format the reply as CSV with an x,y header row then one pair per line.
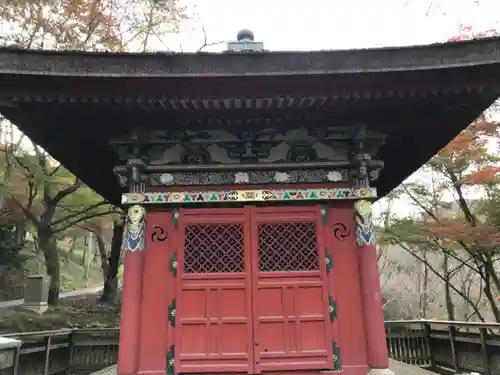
x,y
287,247
213,248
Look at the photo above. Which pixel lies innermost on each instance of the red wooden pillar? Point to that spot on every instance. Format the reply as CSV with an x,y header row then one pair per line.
x,y
134,240
373,316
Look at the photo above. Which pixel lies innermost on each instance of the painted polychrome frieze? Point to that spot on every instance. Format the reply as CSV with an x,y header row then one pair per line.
x,y
277,177
265,145
134,234
257,195
364,223
248,177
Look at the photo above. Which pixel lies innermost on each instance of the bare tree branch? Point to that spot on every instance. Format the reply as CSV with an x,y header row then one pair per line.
x,y
79,212
205,36
69,190
442,278
72,223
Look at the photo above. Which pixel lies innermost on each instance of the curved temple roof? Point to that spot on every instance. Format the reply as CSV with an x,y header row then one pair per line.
x,y
72,103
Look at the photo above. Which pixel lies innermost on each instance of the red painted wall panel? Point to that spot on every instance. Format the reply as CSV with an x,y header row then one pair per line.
x,y
158,292
345,288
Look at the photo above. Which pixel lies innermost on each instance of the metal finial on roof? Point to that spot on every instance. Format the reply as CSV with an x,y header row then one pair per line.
x,y
245,43
245,35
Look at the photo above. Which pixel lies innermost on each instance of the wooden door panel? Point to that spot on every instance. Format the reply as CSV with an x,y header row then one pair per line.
x,y
215,326
264,311
290,323
215,302
290,298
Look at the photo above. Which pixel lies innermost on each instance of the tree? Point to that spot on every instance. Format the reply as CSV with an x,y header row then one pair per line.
x,y
10,249
109,260
462,234
109,25
462,231
467,32
52,200
111,275
49,196
450,9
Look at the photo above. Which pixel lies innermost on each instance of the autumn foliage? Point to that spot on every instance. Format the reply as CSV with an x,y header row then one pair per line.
x,y
456,218
458,205
460,230
36,190
103,25
468,158
467,32
468,162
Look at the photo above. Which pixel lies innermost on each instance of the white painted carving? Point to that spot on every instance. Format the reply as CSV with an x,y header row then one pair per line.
x,y
326,145
166,178
171,155
241,178
334,176
281,177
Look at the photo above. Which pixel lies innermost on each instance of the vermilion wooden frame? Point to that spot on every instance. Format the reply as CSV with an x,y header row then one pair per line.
x,y
289,214
208,216
250,217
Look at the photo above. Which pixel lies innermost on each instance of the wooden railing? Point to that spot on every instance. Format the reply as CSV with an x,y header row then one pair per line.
x,y
80,351
440,346
443,346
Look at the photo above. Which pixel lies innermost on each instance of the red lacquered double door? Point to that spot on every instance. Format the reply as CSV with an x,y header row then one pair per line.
x,y
252,291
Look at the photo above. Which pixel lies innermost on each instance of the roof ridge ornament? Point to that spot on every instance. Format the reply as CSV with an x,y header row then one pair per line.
x,y
245,43
365,170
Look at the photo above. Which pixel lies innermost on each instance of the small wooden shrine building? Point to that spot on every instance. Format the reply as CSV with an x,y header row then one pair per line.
x,y
248,177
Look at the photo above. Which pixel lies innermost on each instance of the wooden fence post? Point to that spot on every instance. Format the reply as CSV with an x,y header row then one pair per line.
x,y
16,360
46,365
70,353
483,335
451,335
428,339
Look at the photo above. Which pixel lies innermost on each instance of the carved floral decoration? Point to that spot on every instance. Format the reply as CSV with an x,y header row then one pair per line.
x,y
364,223
134,235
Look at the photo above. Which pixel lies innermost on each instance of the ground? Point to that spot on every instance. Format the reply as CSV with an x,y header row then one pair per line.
x,y
73,272
397,367
403,369
72,268
82,313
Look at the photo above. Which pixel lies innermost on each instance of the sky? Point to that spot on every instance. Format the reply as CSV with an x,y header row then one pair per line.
x,y
332,24
335,24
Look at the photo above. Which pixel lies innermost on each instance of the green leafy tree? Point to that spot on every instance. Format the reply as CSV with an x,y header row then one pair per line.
x,y
10,248
103,25
50,198
462,231
52,201
107,230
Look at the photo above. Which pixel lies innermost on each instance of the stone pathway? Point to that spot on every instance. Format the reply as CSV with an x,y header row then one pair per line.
x,y
398,368
402,368
106,371
76,293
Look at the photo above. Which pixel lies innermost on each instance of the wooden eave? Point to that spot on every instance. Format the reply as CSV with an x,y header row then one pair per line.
x,y
70,101
188,65
180,80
